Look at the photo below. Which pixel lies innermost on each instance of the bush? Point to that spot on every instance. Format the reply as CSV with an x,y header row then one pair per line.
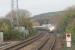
x,y
13,35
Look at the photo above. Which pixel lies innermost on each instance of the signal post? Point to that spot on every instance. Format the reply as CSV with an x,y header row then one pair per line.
x,y
68,40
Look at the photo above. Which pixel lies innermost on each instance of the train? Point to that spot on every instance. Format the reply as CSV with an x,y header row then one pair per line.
x,y
47,27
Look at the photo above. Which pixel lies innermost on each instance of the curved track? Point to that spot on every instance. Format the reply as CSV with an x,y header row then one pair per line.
x,y
43,41
24,43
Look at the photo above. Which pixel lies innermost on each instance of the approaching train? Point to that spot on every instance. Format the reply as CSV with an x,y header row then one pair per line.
x,y
47,27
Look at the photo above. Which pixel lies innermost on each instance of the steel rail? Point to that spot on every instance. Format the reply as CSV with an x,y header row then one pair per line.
x,y
24,43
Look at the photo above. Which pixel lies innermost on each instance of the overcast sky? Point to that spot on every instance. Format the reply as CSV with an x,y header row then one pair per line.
x,y
36,6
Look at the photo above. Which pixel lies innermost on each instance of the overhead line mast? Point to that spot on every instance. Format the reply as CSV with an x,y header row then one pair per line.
x,y
14,6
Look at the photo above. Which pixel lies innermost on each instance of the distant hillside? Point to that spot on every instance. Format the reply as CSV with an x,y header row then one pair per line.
x,y
50,17
46,15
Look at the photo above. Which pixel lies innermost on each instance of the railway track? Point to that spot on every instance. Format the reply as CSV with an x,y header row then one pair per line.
x,y
24,43
47,43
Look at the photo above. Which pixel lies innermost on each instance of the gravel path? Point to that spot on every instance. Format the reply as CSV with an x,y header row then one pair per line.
x,y
59,44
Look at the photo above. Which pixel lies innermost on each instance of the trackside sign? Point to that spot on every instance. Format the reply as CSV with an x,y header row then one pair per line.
x,y
68,39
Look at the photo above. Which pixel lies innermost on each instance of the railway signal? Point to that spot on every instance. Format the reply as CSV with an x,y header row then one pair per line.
x,y
68,39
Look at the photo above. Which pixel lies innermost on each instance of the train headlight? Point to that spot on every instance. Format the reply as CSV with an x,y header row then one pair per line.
x,y
52,28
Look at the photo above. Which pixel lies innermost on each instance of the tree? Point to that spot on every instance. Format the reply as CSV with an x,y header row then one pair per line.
x,y
5,25
69,21
23,17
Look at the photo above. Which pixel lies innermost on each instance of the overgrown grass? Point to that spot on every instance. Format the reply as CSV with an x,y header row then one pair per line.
x,y
16,35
